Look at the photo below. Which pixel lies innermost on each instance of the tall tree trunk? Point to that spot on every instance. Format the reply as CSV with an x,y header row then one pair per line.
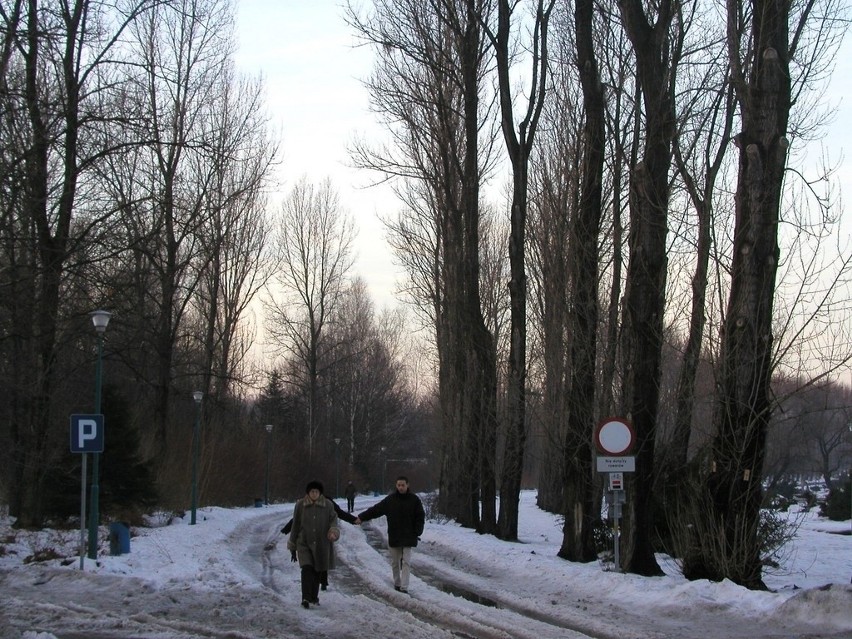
x,y
52,232
744,409
646,276
513,451
550,476
518,145
481,354
580,513
459,496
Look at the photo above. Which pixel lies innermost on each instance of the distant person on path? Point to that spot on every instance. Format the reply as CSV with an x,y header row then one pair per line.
x,y
341,514
313,531
406,519
350,496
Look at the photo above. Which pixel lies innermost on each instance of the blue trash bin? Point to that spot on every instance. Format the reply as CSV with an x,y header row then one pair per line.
x,y
119,538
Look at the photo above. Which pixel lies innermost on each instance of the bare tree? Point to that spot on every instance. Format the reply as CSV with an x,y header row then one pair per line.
x,y
57,68
646,277
580,512
760,54
314,256
240,160
369,396
623,139
519,145
705,120
183,48
825,429
553,204
428,84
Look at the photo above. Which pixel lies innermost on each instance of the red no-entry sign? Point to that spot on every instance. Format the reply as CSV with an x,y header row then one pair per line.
x,y
614,436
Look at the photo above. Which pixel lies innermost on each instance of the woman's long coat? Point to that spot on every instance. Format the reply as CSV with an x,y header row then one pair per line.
x,y
309,535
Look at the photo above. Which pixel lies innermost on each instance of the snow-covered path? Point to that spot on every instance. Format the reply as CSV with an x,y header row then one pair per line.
x,y
222,579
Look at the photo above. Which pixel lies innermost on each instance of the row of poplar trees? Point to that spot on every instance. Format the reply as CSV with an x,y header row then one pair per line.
x,y
616,123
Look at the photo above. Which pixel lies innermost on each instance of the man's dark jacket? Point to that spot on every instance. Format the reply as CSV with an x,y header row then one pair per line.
x,y
405,518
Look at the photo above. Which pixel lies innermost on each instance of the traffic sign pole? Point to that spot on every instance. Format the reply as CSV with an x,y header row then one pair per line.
x,y
87,436
616,533
83,511
614,438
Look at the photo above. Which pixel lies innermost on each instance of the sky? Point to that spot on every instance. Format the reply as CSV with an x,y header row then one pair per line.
x,y
230,577
314,72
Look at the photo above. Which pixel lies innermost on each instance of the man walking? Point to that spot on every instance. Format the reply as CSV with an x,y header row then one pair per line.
x,y
406,518
350,496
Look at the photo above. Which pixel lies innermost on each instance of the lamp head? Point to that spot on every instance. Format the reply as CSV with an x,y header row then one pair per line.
x,y
268,428
100,319
337,441
197,395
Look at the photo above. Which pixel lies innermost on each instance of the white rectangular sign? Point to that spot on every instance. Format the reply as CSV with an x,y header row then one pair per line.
x,y
616,481
626,464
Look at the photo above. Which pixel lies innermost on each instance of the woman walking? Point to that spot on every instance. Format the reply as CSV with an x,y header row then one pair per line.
x,y
311,537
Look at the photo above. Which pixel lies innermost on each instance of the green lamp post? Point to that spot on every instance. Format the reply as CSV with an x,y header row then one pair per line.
x,y
196,395
100,319
337,466
266,480
384,468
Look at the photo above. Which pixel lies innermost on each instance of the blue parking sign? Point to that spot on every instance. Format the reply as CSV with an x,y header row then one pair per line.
x,y
87,433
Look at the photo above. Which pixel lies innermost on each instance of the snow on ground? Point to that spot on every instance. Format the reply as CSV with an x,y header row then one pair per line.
x,y
230,576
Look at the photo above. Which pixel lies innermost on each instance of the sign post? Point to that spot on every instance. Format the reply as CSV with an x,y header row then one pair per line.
x,y
614,438
87,436
83,472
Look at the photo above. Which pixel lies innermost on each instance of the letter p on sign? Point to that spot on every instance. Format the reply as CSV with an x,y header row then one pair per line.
x,y
87,433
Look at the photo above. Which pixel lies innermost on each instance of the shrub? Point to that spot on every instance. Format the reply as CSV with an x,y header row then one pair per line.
x,y
781,496
810,499
837,507
602,534
42,554
714,549
430,507
773,533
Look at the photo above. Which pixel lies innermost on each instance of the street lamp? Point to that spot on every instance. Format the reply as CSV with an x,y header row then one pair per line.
x,y
337,464
266,481
100,319
196,395
384,468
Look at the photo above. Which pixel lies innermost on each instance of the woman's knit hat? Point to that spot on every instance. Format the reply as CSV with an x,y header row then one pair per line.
x,y
314,484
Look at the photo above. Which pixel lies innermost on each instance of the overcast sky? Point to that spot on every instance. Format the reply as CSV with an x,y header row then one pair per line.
x,y
313,73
